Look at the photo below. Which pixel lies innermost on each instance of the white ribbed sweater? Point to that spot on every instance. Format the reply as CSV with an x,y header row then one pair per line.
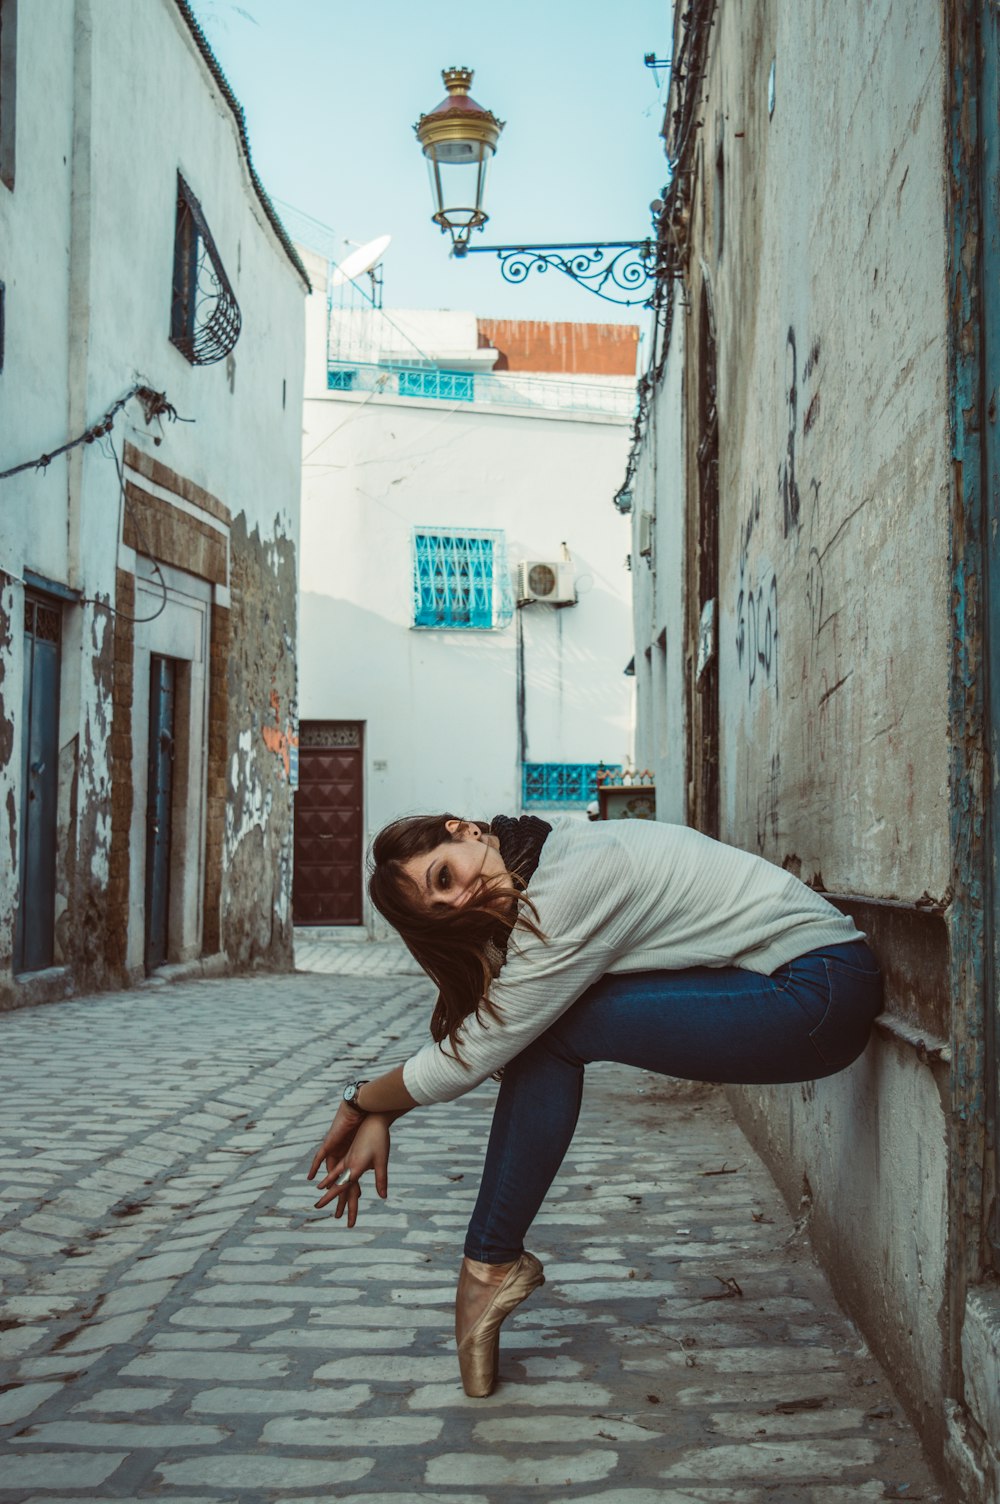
x,y
628,895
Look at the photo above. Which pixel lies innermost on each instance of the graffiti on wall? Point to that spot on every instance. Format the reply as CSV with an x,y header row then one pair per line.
x,y
784,509
787,483
767,804
756,606
757,629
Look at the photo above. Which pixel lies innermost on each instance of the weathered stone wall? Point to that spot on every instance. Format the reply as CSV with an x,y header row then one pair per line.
x,y
262,723
816,262
117,916
217,768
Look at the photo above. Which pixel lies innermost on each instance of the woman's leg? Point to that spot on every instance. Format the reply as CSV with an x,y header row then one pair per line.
x,y
810,1019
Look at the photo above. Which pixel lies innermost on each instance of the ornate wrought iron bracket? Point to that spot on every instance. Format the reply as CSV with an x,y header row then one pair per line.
x,y
631,269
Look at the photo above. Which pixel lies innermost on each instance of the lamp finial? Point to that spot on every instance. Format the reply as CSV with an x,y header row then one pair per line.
x,y
457,80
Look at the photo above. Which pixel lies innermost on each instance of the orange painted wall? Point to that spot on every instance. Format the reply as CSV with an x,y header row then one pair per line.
x,y
570,349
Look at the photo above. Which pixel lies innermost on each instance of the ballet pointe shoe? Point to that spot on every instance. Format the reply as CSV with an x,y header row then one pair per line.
x,y
479,1348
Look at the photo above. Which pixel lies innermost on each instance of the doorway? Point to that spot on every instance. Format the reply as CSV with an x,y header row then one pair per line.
x,y
34,932
159,806
329,825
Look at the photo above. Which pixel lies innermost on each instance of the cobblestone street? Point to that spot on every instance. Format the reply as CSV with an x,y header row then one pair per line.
x,y
181,1324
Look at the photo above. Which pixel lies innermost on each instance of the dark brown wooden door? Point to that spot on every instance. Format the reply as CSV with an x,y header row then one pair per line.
x,y
328,837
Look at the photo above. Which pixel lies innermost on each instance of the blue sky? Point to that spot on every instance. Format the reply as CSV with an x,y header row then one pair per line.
x,y
331,89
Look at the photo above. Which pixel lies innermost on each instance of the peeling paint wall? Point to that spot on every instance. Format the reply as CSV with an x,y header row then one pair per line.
x,y
87,802
262,727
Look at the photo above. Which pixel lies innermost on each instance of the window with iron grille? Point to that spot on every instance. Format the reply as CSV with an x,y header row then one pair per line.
x,y
205,317
447,386
461,579
561,782
341,381
8,84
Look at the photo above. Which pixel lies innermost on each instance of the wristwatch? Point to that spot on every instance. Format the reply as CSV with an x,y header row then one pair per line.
x,y
351,1094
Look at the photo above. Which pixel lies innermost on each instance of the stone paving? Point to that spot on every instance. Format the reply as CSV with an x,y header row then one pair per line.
x,y
180,1324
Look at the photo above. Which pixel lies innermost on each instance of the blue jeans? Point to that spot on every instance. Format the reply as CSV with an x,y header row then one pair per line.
x,y
809,1019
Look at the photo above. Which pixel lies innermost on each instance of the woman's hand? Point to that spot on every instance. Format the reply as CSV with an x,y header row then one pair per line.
x,y
339,1139
368,1150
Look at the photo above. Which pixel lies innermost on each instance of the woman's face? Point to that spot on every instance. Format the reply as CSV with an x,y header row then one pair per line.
x,y
456,870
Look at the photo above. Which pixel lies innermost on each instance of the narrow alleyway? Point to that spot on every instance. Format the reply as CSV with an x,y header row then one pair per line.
x,y
180,1324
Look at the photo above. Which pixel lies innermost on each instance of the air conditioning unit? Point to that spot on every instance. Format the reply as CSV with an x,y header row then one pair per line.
x,y
550,581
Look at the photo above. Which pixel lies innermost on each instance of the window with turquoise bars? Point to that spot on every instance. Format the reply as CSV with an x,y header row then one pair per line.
x,y
446,386
562,782
461,580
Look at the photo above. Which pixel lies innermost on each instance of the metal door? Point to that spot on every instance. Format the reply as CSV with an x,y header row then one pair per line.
x,y
35,928
989,61
703,588
328,826
159,801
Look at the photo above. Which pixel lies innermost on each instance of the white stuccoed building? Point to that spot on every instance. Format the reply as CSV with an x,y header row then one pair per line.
x,y
147,578
441,454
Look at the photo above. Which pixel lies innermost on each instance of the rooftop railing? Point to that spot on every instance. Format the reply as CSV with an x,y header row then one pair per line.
x,y
514,390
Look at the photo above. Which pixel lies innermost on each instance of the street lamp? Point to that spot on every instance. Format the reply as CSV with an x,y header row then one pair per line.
x,y
458,138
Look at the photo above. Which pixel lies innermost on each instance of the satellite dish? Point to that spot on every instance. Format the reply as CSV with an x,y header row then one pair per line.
x,y
359,261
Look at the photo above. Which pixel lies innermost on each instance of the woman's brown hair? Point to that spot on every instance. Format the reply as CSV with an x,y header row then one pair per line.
x,y
458,947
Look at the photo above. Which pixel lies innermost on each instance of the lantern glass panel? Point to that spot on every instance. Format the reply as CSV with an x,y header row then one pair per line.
x,y
458,182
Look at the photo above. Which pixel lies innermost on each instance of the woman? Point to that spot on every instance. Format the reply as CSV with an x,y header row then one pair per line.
x,y
555,945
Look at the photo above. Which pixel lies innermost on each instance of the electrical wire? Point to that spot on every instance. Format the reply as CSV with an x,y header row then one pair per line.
x,y
154,404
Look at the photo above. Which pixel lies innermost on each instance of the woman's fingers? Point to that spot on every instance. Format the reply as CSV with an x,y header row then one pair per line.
x,y
329,1152
339,1170
351,1198
368,1149
335,1184
340,1194
338,1140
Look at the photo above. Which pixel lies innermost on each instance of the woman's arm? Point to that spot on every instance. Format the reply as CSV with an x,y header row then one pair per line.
x,y
386,1094
536,986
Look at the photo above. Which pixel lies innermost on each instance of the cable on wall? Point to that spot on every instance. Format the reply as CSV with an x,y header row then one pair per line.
x,y
154,405
686,80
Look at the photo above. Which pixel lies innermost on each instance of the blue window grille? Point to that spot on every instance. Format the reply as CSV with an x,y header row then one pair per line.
x,y
562,782
446,386
461,580
341,381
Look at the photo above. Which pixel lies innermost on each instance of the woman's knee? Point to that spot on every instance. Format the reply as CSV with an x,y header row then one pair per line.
x,y
551,1051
